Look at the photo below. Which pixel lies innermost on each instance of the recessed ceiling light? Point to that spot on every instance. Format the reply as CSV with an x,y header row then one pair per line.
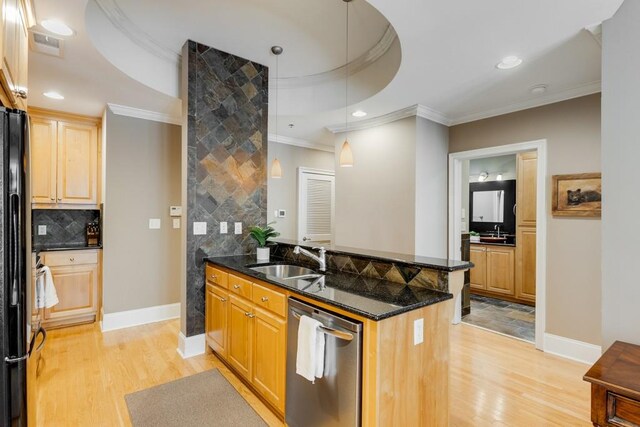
x,y
57,27
538,89
53,95
509,62
358,113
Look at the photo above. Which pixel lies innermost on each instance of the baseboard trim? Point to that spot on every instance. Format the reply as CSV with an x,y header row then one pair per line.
x,y
572,349
190,346
141,316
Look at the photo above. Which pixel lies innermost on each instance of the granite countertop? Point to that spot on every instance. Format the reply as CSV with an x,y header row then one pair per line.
x,y
65,248
513,245
374,299
427,262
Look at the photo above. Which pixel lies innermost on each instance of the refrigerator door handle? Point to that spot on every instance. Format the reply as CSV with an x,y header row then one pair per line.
x,y
11,360
14,204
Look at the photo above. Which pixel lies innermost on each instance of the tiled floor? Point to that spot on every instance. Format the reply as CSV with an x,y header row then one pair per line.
x,y
509,318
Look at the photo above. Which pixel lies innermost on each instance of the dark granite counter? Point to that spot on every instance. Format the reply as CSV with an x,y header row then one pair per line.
x,y
513,245
65,248
375,299
420,261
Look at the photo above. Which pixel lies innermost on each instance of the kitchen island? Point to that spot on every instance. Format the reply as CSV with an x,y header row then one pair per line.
x,y
405,331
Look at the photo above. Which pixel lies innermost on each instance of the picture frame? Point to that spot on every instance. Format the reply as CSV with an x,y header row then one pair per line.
x,y
577,195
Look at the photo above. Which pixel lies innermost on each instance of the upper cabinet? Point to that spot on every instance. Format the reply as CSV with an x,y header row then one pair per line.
x,y
16,20
64,160
526,192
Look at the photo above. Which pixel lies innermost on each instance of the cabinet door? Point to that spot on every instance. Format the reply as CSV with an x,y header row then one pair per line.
x,y
77,289
10,19
526,189
500,270
22,52
44,160
77,163
240,351
526,264
478,274
269,357
216,319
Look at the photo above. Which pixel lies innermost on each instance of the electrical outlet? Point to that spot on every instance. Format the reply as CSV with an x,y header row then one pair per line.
x,y
176,222
418,331
42,230
223,227
154,223
199,228
238,228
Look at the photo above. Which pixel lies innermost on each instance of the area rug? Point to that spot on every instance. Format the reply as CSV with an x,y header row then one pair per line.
x,y
204,399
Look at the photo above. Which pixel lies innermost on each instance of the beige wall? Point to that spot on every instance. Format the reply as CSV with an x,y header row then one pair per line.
x,y
620,154
375,207
141,266
282,193
572,130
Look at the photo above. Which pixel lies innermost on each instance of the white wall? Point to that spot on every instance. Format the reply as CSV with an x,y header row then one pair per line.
x,y
620,155
506,165
375,202
140,266
282,193
431,160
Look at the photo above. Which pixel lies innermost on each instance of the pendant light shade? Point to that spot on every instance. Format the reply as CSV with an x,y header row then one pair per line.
x,y
276,169
346,156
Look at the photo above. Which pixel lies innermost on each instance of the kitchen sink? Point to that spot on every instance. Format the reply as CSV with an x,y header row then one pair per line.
x,y
286,271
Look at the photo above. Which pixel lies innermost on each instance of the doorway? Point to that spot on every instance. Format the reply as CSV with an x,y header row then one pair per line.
x,y
494,287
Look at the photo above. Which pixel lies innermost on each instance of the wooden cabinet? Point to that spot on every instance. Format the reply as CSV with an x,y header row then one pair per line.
x,y
493,273
75,276
246,327
64,165
478,274
526,196
217,301
16,19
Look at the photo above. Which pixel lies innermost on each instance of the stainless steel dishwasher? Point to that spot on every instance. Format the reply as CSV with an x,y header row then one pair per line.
x,y
334,399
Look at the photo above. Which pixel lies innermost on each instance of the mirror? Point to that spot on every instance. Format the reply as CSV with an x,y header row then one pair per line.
x,y
488,206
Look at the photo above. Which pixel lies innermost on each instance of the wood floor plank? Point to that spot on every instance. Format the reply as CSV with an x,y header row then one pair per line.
x,y
495,380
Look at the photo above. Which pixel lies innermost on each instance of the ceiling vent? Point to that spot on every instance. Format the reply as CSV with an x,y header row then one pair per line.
x,y
46,44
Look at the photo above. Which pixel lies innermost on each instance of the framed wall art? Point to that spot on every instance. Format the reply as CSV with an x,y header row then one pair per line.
x,y
578,195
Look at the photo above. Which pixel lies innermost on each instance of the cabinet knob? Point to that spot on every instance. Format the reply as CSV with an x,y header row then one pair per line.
x,y
72,259
20,93
264,299
236,286
246,313
223,300
53,198
59,198
214,277
251,315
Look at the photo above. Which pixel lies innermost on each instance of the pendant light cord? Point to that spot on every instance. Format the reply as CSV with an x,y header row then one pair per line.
x,y
346,78
277,74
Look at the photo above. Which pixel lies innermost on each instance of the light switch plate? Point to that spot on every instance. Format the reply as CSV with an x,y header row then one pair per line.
x,y
418,331
282,213
176,222
175,210
154,223
42,230
237,228
464,213
223,227
199,228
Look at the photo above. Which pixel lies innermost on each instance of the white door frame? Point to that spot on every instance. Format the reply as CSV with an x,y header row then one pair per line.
x,y
301,171
455,215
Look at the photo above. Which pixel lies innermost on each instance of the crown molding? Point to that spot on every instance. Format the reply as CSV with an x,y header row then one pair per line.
x,y
123,110
575,92
301,143
596,32
120,20
354,67
415,110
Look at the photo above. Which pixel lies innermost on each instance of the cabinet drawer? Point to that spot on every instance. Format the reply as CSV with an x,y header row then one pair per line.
x,y
58,259
622,411
219,277
269,299
240,286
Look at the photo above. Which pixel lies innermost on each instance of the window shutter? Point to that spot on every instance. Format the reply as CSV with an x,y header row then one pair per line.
x,y
318,206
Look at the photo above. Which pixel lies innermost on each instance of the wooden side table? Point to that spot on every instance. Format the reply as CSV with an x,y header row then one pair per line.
x,y
615,387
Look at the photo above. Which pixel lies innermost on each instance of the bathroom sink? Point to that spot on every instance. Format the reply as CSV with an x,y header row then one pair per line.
x,y
490,239
286,271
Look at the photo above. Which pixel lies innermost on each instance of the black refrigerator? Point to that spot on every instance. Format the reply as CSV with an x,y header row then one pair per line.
x,y
14,308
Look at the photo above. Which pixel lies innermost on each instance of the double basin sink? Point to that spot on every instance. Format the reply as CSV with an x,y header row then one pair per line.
x,y
286,271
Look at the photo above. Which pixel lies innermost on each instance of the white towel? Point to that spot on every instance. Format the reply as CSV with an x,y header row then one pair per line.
x,y
46,296
310,355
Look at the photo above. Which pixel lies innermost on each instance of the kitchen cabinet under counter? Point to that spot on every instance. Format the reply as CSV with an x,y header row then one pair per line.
x,y
405,336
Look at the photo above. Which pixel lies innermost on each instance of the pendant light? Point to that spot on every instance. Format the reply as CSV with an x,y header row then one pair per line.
x,y
276,168
346,155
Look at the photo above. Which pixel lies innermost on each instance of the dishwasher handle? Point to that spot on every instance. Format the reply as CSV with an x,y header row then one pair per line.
x,y
329,331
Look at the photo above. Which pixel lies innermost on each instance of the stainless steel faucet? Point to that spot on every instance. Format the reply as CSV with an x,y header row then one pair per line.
x,y
497,227
320,258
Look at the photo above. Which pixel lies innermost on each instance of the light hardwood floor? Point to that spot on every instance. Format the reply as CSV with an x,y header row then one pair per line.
x,y
495,380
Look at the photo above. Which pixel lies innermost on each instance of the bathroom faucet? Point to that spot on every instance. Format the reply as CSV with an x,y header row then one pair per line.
x,y
497,227
320,259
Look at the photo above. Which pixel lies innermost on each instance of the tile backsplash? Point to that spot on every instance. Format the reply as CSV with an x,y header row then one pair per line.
x,y
65,227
